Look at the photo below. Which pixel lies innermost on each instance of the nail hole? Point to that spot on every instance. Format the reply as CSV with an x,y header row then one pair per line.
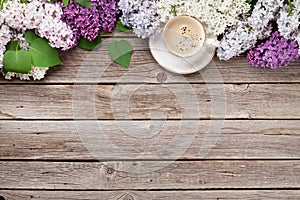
x,y
2,198
110,171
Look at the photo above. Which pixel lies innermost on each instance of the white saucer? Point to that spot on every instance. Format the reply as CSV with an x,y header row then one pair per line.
x,y
179,65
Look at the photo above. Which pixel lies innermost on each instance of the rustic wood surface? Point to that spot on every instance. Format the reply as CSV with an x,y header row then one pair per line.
x,y
44,130
134,195
240,139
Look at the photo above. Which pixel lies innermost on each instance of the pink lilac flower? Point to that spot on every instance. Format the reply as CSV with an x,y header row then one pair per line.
x,y
87,22
274,53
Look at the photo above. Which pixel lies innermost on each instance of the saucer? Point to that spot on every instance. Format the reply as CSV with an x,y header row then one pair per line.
x,y
180,65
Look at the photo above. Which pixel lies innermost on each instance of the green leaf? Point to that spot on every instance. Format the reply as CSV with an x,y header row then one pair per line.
x,y
30,36
4,71
17,61
120,52
65,2
13,45
42,54
85,3
252,3
1,3
89,45
121,27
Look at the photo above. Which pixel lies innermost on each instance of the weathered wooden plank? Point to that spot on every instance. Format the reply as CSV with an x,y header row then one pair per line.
x,y
174,101
144,69
238,139
98,68
150,175
151,195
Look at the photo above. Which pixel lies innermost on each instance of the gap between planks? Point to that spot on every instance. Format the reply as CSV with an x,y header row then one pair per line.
x,y
151,195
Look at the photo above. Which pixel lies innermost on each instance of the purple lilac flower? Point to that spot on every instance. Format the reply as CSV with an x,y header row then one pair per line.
x,y
274,53
108,10
87,22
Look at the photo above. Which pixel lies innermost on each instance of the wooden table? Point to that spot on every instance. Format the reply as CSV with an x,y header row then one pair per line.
x,y
46,147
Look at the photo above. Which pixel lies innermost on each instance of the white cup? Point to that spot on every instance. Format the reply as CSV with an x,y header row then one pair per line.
x,y
184,36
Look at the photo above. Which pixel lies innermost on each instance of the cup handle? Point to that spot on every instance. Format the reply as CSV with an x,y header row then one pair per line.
x,y
213,42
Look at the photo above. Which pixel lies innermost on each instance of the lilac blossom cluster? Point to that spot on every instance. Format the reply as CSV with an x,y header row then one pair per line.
x,y
217,14
44,17
141,16
274,53
87,22
289,21
245,34
5,37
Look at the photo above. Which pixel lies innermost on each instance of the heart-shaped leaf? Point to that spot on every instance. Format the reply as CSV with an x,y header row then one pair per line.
x,y
30,36
13,45
17,61
89,45
65,2
120,52
121,27
43,55
85,3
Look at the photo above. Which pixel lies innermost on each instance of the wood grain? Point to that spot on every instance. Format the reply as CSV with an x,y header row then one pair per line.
x,y
255,156
59,140
175,101
144,69
150,175
98,68
152,195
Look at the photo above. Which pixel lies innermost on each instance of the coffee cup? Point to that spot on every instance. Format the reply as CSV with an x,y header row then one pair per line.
x,y
184,36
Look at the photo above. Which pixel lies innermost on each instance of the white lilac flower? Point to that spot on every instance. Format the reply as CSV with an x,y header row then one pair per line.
x,y
289,22
216,14
36,73
10,75
42,16
141,16
56,31
5,37
245,34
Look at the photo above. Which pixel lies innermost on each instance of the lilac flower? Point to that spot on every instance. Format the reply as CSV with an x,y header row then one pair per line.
x,y
274,53
42,16
245,34
108,10
289,21
87,22
141,16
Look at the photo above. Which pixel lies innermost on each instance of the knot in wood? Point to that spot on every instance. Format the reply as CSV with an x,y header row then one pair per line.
x,y
110,170
127,197
162,77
